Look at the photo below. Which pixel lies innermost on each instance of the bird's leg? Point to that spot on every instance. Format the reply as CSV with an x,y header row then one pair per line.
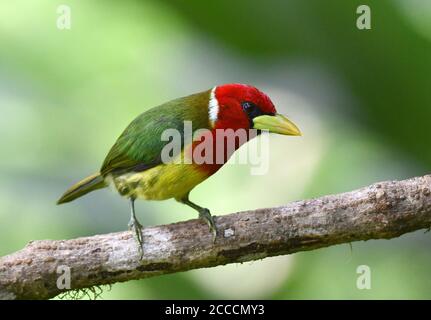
x,y
136,227
204,214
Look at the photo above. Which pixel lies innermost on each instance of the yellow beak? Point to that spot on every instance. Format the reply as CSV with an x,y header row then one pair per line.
x,y
276,124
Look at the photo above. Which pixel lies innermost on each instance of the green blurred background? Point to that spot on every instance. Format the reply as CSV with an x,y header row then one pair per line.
x,y
362,99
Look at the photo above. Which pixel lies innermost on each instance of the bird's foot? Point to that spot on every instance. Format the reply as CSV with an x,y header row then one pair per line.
x,y
136,228
205,215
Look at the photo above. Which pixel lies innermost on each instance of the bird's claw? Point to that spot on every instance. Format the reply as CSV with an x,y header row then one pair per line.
x,y
136,228
205,215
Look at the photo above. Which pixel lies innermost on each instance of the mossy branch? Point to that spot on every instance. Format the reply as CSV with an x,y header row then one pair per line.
x,y
381,211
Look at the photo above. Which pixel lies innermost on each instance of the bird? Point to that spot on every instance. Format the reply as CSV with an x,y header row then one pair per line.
x,y
135,167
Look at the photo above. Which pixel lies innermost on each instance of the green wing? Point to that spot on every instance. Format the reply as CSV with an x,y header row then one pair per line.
x,y
139,147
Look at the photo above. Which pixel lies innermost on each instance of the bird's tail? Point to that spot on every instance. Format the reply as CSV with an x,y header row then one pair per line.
x,y
83,187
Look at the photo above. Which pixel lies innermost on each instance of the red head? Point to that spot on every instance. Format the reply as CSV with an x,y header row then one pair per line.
x,y
241,106
233,110
234,106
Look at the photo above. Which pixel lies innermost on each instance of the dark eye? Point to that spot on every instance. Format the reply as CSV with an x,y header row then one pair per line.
x,y
249,107
251,110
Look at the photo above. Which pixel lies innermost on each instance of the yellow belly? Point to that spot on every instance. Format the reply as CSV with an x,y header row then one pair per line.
x,y
172,180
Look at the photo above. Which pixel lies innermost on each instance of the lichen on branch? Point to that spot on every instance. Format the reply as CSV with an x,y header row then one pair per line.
x,y
381,211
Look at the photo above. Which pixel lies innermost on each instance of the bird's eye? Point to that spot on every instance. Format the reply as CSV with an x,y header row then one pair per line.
x,y
251,110
248,107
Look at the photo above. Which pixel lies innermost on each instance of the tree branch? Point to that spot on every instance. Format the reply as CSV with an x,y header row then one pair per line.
x,y
381,211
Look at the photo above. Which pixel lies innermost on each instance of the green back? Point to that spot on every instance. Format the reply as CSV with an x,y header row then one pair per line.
x,y
140,145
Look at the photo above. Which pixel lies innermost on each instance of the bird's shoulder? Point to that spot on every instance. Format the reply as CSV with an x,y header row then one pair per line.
x,y
139,146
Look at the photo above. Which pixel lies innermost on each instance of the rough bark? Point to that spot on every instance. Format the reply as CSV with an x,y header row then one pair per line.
x,y
380,211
